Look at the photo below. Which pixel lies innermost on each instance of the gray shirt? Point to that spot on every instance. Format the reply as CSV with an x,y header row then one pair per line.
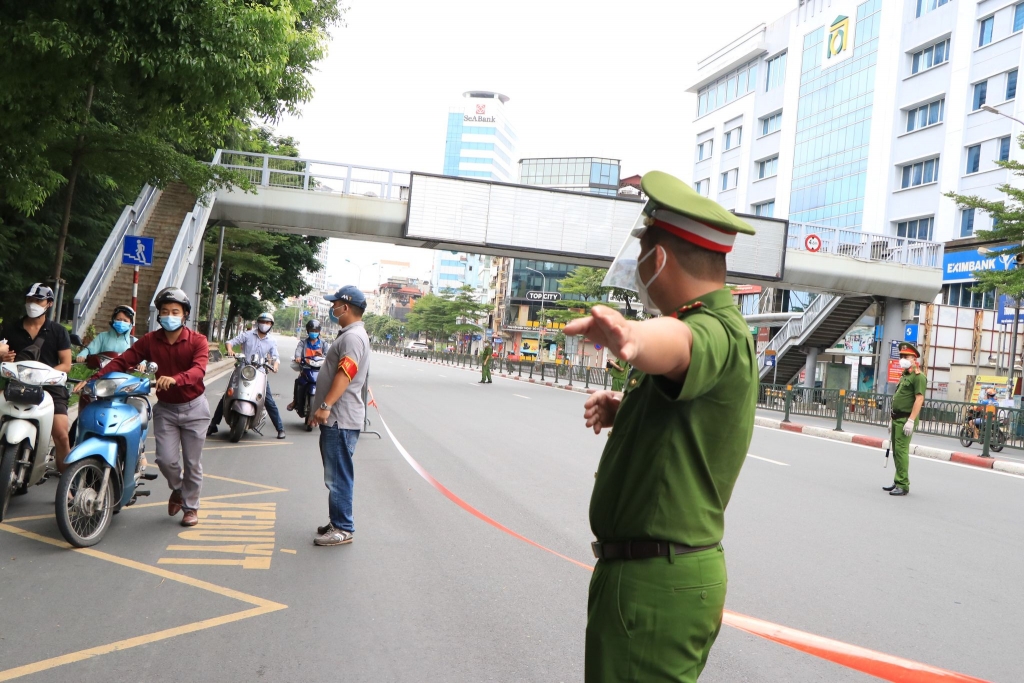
x,y
252,344
350,353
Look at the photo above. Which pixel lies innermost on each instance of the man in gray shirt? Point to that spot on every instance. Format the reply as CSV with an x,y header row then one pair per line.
x,y
339,395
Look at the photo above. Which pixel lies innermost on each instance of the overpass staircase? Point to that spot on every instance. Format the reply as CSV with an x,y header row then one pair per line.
x,y
826,320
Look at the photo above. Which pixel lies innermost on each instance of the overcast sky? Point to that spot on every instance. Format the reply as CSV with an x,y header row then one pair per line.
x,y
585,78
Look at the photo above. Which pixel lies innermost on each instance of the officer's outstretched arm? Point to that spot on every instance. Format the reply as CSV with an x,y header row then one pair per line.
x,y
660,346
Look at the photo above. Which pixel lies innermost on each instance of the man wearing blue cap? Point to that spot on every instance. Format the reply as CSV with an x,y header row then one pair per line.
x,y
341,412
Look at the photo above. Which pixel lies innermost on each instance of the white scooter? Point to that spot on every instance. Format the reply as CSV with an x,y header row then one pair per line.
x,y
244,399
26,420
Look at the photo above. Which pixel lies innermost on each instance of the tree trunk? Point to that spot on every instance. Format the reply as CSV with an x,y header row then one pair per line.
x,y
224,306
76,165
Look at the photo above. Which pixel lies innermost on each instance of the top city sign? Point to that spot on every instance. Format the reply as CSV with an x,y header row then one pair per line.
x,y
839,43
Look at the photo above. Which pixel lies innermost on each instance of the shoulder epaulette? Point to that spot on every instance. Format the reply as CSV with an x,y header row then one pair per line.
x,y
696,305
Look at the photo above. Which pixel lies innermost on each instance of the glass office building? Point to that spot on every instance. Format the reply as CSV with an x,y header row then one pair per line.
x,y
592,175
480,141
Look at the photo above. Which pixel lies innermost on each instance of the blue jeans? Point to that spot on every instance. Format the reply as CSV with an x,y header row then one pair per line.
x,y
337,446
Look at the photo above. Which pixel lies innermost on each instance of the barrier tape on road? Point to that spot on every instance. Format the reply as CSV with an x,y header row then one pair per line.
x,y
877,664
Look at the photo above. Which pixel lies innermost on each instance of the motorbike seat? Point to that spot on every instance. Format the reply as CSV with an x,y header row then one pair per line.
x,y
140,405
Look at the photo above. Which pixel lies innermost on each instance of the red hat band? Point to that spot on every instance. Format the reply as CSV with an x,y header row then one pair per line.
x,y
701,234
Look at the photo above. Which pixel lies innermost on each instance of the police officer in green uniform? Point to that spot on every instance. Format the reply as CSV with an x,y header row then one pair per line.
x,y
485,364
618,370
681,433
906,406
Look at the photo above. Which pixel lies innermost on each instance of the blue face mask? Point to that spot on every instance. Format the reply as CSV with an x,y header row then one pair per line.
x,y
314,335
334,318
121,326
170,322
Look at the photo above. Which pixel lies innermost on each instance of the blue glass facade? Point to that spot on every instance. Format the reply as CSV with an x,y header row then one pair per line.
x,y
833,127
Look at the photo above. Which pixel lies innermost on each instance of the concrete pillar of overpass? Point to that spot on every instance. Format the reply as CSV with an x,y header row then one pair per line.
x,y
811,367
892,330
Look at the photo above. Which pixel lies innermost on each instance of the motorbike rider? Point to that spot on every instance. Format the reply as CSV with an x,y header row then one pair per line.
x,y
52,347
256,342
116,340
309,348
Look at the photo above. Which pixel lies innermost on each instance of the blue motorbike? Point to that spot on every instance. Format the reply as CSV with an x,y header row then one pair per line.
x,y
104,471
309,370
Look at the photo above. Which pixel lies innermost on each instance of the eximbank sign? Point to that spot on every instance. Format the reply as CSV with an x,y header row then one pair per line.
x,y
958,266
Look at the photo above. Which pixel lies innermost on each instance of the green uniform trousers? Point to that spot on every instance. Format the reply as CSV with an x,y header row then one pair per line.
x,y
485,372
654,620
901,454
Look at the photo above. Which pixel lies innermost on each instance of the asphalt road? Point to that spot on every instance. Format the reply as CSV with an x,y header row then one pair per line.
x,y
430,592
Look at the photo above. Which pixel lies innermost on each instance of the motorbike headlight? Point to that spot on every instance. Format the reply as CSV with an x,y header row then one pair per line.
x,y
104,387
248,373
40,376
9,371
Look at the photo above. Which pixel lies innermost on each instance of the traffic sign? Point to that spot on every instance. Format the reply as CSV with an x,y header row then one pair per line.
x,y
770,352
894,350
1006,309
910,333
137,251
769,361
812,242
598,347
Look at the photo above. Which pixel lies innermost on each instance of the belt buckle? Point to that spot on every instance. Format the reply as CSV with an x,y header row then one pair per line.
x,y
595,547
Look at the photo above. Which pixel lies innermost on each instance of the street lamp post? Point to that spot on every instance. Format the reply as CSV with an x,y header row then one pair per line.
x,y
543,323
359,268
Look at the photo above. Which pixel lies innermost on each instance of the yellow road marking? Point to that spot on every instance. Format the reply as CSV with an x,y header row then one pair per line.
x,y
290,552
244,563
27,519
248,445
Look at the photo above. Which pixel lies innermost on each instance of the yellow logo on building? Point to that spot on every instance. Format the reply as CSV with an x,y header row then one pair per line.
x,y
838,37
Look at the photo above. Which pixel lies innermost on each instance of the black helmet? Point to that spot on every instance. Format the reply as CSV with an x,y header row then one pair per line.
x,y
173,295
313,326
39,291
127,310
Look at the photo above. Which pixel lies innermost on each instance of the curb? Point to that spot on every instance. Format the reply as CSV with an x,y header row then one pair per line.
x,y
1009,466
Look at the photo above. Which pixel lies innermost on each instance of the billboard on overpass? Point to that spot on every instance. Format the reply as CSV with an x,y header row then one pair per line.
x,y
546,222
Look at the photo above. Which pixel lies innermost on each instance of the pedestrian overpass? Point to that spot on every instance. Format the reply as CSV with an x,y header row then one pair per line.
x,y
327,199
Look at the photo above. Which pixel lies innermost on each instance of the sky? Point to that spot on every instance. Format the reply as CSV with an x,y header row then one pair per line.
x,y
585,78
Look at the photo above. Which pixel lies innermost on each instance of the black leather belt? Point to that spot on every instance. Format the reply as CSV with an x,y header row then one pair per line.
x,y
898,415
641,550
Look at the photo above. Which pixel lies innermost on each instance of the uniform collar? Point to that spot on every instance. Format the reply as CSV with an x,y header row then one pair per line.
x,y
351,325
719,298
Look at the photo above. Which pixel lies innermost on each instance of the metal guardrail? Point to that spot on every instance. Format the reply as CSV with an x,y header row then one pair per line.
x,y
866,246
938,417
270,170
104,268
794,327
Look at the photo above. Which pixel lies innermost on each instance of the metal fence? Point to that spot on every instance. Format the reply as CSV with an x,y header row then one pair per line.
x,y
557,373
939,418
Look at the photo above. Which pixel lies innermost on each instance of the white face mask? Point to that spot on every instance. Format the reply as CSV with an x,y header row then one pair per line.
x,y
264,328
641,286
905,363
34,310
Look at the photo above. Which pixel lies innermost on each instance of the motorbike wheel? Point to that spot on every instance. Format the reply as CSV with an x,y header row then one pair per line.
x,y
966,437
309,412
998,441
8,476
82,522
238,428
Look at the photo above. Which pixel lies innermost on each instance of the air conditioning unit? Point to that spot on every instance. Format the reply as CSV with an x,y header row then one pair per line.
x,y
909,308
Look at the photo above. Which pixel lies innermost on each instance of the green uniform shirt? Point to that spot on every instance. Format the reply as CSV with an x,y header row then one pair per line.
x,y
673,457
911,385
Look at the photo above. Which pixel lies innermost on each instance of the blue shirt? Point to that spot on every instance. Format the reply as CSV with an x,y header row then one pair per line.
x,y
315,345
109,341
252,344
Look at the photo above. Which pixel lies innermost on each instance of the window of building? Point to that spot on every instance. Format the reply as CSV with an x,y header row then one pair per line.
x,y
702,186
925,6
719,93
733,138
1018,17
776,72
920,173
980,94
704,150
933,55
766,209
770,124
960,294
767,168
967,222
919,229
926,115
985,34
1004,148
973,159
730,178
1011,82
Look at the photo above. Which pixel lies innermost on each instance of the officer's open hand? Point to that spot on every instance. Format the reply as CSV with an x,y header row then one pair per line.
x,y
607,326
600,409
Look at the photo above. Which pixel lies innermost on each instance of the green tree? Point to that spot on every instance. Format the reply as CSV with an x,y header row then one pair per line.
x,y
132,92
585,284
430,314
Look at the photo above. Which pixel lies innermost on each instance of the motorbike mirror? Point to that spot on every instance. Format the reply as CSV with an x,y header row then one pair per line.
x,y
76,340
152,368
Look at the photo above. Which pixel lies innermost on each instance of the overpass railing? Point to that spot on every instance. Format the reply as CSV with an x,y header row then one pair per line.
x,y
941,418
271,170
820,307
104,268
866,246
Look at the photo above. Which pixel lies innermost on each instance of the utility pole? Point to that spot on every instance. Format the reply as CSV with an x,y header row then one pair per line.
x,y
213,289
544,289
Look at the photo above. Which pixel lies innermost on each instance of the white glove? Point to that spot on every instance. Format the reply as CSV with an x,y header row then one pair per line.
x,y
908,428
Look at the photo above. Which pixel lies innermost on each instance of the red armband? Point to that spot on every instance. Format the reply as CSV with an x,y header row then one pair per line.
x,y
349,367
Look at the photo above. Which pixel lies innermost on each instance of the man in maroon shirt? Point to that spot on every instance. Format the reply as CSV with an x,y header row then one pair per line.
x,y
182,414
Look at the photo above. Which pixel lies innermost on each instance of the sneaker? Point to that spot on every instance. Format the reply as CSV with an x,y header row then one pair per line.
x,y
898,492
321,530
333,537
280,434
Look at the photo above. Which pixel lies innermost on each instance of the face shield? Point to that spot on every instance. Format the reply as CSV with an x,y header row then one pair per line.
x,y
622,273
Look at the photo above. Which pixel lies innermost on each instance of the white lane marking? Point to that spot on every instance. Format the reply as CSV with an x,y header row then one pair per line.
x,y
521,396
774,462
877,450
441,376
474,384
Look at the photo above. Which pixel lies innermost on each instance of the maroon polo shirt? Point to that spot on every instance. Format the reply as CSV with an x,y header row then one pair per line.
x,y
185,360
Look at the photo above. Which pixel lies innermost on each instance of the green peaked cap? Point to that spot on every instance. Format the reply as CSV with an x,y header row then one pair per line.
x,y
671,193
907,347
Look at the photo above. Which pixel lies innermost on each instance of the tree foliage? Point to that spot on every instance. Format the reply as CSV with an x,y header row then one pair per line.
x,y
585,284
378,327
454,312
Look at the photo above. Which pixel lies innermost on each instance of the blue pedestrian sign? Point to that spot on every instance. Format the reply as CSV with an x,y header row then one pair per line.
x,y
910,333
1006,309
137,251
769,361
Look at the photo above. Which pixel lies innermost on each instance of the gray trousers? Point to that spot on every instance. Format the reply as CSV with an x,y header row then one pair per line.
x,y
180,431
